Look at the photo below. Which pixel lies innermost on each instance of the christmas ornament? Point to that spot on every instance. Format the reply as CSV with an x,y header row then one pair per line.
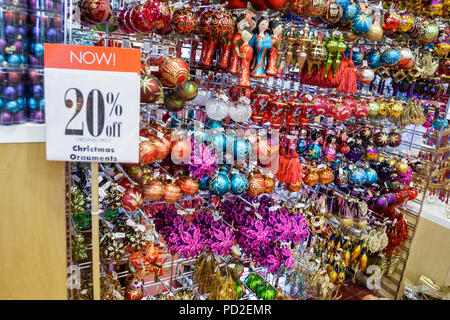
x,y
151,89
257,185
381,139
189,186
147,152
371,153
401,167
390,57
187,90
219,184
181,151
239,183
391,22
174,71
406,22
132,199
333,12
361,23
406,59
241,149
375,32
153,191
270,184
365,75
184,20
373,58
356,152
371,176
172,192
173,102
315,8
357,176
395,139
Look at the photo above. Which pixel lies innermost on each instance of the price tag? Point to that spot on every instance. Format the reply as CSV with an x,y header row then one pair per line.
x,y
245,100
101,193
120,189
85,112
118,176
76,178
120,234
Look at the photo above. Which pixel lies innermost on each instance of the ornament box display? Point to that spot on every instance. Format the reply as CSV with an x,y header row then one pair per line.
x,y
286,148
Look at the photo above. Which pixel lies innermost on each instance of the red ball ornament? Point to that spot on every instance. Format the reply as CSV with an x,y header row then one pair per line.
x,y
172,192
181,151
204,22
237,4
157,13
154,190
138,20
391,22
321,105
184,20
14,77
189,186
125,183
412,193
381,139
96,11
147,152
151,89
132,199
361,111
341,111
274,4
174,71
344,148
162,146
333,12
258,5
221,23
350,101
256,185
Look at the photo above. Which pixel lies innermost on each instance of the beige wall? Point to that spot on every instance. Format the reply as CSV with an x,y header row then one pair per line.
x,y
429,254
32,224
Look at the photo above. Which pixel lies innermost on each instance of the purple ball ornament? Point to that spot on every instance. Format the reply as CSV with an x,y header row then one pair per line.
x,y
20,90
10,32
21,31
19,117
356,152
38,91
380,203
39,116
371,152
6,118
10,93
34,61
391,198
2,45
32,4
52,35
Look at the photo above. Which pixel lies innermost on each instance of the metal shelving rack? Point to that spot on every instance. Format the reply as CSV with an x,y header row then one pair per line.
x,y
390,284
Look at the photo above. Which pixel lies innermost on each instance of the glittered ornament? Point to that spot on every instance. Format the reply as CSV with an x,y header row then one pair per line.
x,y
340,177
147,152
357,176
365,75
153,191
239,183
375,32
406,59
172,192
371,176
374,108
174,71
241,149
187,90
315,8
162,146
184,20
181,151
395,139
391,198
381,139
311,178
173,102
361,23
371,153
390,57
256,185
270,184
157,13
373,58
356,152
132,199
406,22
294,187
314,150
350,12
333,12
189,186
431,32
326,176
151,89
401,167
219,184
391,22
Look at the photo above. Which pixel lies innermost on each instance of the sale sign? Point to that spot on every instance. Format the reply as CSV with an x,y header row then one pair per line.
x,y
92,103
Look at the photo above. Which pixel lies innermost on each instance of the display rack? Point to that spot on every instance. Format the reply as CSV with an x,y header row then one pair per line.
x,y
153,45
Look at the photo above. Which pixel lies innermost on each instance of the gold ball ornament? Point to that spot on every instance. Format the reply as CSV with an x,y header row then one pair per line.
x,y
395,109
392,162
380,158
401,167
270,184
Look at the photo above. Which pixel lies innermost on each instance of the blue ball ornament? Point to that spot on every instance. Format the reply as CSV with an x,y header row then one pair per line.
x,y
371,176
12,106
213,124
204,183
239,183
342,3
361,23
22,58
32,103
2,58
1,103
241,149
42,104
373,58
39,49
219,184
225,169
14,60
314,150
390,57
219,142
357,176
350,12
